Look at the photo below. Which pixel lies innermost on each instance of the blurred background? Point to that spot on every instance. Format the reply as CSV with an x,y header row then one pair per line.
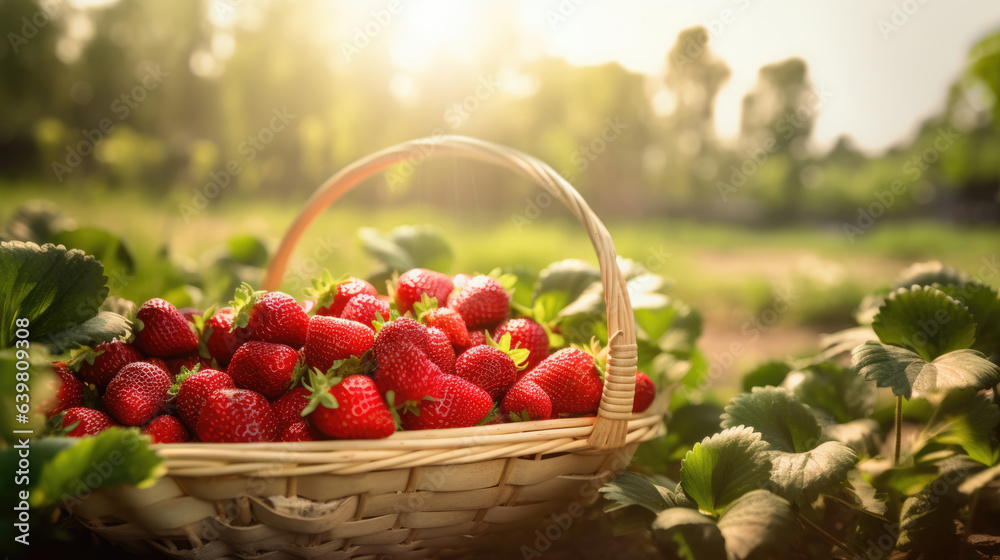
x,y
776,160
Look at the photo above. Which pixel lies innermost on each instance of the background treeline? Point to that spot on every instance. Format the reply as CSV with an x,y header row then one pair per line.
x,y
223,75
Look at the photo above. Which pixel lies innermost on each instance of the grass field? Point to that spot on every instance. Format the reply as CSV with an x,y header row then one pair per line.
x,y
732,274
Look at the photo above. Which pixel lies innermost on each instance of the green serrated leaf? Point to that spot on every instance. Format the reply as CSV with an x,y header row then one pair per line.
x,y
908,374
685,533
967,419
835,389
925,320
724,467
628,489
104,327
863,496
105,246
52,287
802,477
115,456
758,523
783,421
928,273
985,308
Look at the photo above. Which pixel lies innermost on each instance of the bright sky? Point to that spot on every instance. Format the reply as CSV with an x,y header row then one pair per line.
x,y
882,84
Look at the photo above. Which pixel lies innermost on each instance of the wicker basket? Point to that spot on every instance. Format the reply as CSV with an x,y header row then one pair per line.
x,y
414,494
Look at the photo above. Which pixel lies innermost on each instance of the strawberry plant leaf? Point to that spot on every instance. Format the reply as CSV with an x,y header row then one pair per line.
x,y
407,247
783,421
802,477
724,467
862,496
570,276
985,308
926,521
835,389
54,288
105,246
967,419
925,320
685,533
758,523
115,456
908,374
928,273
628,489
769,373
103,327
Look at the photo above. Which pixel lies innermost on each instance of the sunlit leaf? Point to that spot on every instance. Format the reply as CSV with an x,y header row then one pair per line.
x,y
570,276
769,373
932,272
801,477
783,421
758,522
103,327
835,389
628,489
908,374
985,308
724,467
925,320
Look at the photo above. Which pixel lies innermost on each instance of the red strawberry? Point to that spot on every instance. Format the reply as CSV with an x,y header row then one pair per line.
x,y
645,392
166,429
265,367
526,401
331,339
449,321
416,282
218,336
288,409
440,350
193,389
332,295
409,374
461,279
99,366
91,422
189,363
527,334
489,368
301,430
571,381
164,332
483,302
366,309
70,392
137,393
269,317
462,404
236,416
348,408
395,334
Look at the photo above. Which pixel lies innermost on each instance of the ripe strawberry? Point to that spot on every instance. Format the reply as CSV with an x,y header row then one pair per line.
x,y
91,422
70,392
176,365
288,409
137,393
164,332
462,404
483,302
461,279
395,334
269,317
166,429
416,282
440,350
527,334
301,430
236,416
645,392
332,295
570,379
366,309
264,367
217,335
100,364
526,401
409,374
348,407
489,368
449,321
192,389
331,339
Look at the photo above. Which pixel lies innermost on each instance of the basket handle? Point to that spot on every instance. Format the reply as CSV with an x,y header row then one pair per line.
x,y
619,383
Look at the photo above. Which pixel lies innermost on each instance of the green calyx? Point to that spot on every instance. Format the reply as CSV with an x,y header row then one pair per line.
x,y
381,321
243,301
518,354
84,354
181,378
319,385
324,289
424,306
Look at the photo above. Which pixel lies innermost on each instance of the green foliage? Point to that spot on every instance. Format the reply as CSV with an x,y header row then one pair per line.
x,y
782,420
925,320
724,467
907,374
405,247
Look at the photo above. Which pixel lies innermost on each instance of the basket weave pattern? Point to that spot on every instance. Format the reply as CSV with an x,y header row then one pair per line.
x,y
414,494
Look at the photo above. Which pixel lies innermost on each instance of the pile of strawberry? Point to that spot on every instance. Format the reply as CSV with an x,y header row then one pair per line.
x,y
347,364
